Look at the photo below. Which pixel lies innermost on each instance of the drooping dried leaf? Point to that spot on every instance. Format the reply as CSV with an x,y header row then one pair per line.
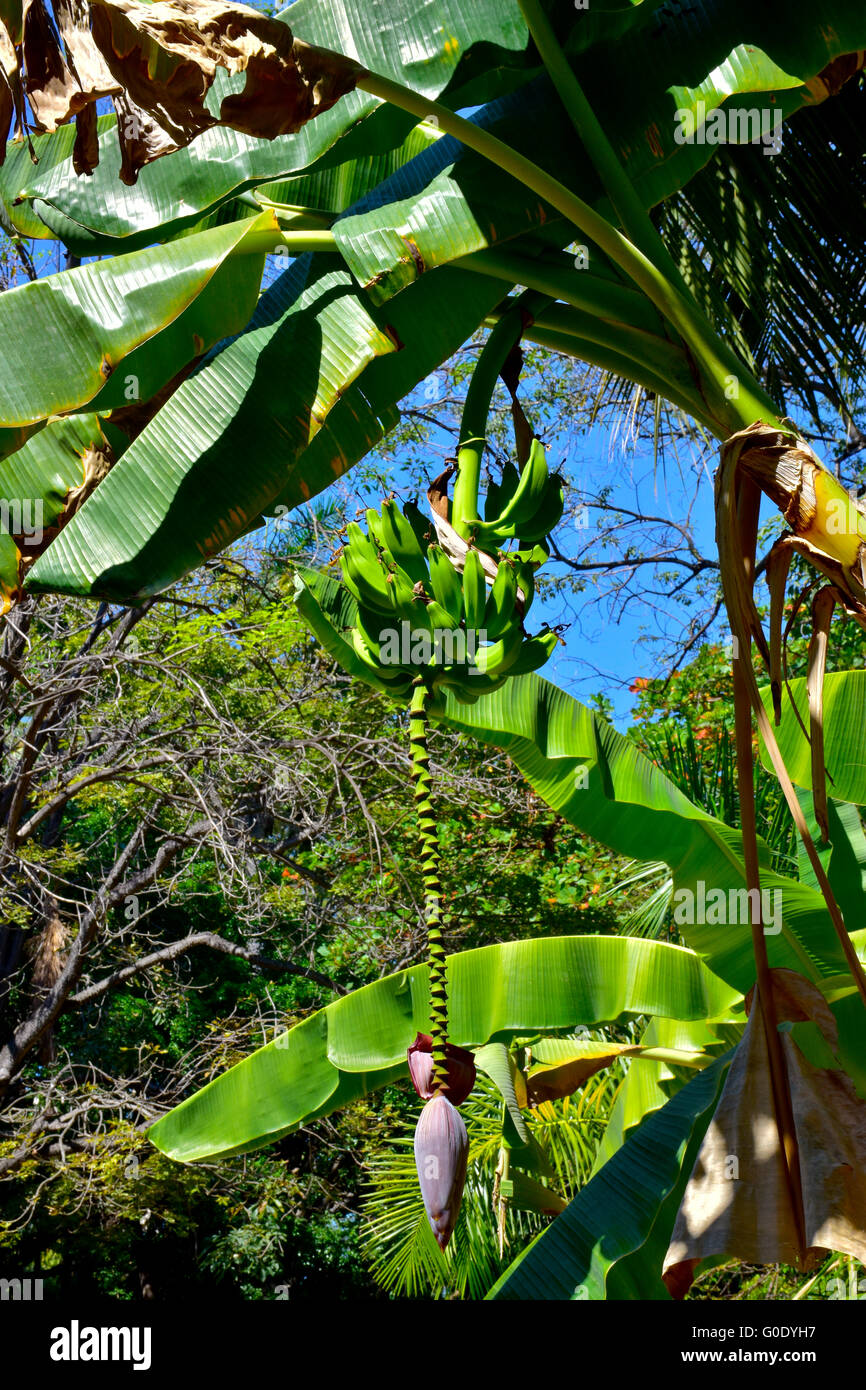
x,y
84,58
737,1202
11,98
158,62
54,93
564,1078
822,615
85,151
142,139
785,468
165,56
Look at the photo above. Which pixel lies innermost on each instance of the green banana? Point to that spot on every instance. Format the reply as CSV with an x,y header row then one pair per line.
x,y
374,524
366,654
500,656
440,618
533,654
524,574
371,626
499,610
468,688
365,580
507,486
360,544
524,504
549,513
530,489
526,562
493,501
474,591
421,524
535,556
405,603
445,581
401,541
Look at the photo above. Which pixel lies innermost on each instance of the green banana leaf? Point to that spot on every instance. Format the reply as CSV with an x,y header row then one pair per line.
x,y
610,1240
843,859
115,331
325,193
496,992
310,199
301,395
844,722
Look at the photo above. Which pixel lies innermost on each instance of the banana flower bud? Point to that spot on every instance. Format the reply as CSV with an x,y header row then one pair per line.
x,y
441,1154
461,1069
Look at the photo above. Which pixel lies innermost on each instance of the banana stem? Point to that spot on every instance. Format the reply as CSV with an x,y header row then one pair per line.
x,y
429,845
473,425
634,217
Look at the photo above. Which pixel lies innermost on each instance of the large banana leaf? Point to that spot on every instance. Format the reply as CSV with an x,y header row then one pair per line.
x,y
300,397
115,331
496,992
624,801
844,722
324,193
610,1240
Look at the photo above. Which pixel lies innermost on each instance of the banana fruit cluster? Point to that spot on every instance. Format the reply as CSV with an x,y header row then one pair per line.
x,y
418,613
525,506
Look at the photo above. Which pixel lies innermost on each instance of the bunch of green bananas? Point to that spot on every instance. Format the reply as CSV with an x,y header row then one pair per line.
x,y
525,505
417,613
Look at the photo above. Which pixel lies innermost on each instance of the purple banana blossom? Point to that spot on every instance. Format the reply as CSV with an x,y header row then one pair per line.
x,y
461,1070
441,1154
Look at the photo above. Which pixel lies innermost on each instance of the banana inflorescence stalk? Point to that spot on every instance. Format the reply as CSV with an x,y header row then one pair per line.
x,y
429,848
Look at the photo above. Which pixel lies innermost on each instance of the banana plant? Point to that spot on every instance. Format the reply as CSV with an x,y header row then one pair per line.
x,y
384,283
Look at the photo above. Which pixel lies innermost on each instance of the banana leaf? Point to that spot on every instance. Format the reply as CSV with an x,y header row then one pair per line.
x,y
40,484
496,993
300,396
115,331
611,1239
